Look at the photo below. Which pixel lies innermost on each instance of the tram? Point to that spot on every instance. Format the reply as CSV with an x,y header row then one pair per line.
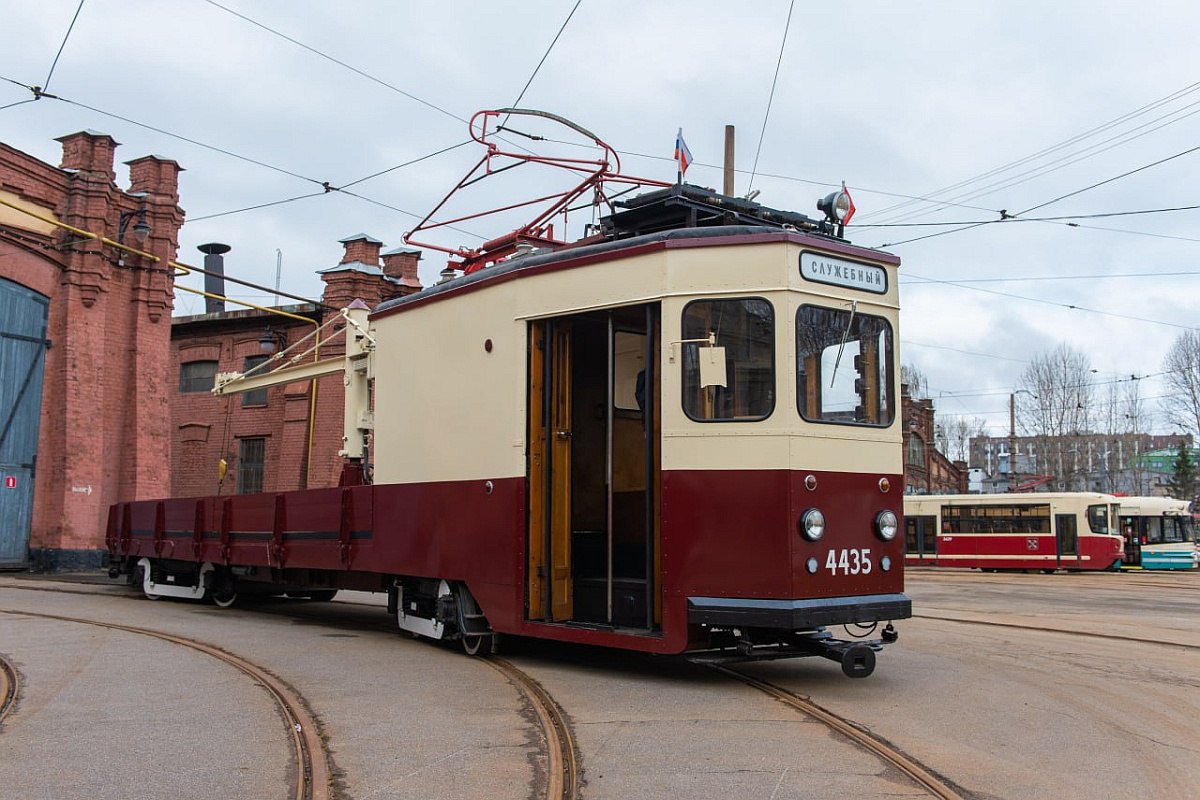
x,y
678,435
1040,531
1159,533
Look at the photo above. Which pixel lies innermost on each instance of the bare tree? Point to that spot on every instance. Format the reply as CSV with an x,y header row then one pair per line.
x,y
912,377
954,436
1055,400
1181,404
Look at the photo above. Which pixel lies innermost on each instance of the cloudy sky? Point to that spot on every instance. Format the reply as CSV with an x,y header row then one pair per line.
x,y
932,112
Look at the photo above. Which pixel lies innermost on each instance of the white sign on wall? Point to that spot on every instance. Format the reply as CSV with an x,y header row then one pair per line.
x,y
822,268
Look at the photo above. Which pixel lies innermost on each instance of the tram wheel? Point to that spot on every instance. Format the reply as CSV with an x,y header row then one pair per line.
x,y
223,594
481,645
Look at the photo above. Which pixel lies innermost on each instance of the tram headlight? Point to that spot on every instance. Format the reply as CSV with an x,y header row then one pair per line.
x,y
812,524
886,525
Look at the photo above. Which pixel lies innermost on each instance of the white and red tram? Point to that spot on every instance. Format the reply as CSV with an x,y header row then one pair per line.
x,y
1037,531
681,435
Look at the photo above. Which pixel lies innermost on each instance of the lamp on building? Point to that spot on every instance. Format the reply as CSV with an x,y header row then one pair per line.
x,y
270,341
141,228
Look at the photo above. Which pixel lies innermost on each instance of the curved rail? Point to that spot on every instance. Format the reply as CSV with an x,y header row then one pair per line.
x,y
10,687
562,756
933,783
313,778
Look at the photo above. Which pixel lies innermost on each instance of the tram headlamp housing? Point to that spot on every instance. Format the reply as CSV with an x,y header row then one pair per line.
x,y
835,206
812,524
886,525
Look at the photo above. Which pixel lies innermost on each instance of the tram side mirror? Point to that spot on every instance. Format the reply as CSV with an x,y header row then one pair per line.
x,y
712,366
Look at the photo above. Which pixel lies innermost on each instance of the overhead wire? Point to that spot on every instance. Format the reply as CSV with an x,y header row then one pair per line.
x,y
61,47
516,103
337,61
1061,145
771,97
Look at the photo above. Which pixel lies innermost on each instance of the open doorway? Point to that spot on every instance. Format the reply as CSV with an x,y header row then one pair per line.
x,y
593,461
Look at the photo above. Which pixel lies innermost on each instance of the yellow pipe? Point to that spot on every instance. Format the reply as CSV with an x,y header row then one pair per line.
x,y
312,400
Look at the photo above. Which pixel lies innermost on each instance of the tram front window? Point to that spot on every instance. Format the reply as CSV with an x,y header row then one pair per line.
x,y
1098,519
844,367
744,331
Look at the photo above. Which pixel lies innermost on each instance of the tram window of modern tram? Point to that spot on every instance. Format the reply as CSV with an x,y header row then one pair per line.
x,y
745,329
844,367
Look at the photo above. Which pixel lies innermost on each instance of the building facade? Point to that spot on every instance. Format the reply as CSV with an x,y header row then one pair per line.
x,y
1085,462
926,469
283,437
84,345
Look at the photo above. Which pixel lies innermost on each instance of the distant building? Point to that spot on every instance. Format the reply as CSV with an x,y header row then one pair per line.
x,y
1125,463
926,469
283,437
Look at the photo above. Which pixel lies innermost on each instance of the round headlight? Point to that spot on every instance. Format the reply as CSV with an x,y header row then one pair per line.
x,y
886,525
812,524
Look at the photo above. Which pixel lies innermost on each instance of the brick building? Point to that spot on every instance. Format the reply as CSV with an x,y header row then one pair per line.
x,y
283,437
926,469
84,345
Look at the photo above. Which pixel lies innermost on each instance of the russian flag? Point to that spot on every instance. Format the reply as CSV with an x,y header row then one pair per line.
x,y
682,155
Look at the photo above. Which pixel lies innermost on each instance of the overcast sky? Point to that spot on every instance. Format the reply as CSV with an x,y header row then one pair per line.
x,y
1012,104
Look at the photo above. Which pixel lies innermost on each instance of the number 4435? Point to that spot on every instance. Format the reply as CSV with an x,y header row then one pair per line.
x,y
849,562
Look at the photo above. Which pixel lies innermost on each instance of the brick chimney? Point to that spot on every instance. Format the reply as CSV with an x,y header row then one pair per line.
x,y
402,266
361,248
90,152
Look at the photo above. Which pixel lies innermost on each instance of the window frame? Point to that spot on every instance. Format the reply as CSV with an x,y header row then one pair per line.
x,y
772,360
887,378
190,379
249,471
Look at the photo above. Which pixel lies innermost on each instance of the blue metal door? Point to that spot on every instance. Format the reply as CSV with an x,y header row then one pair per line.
x,y
22,358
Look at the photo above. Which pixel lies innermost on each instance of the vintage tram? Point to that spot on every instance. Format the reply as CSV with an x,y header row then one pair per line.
x,y
679,435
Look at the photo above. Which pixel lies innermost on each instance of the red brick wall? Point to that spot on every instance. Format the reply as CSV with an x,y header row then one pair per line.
x,y
103,434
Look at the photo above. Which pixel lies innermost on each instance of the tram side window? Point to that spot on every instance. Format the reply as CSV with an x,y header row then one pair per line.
x,y
745,330
844,367
996,519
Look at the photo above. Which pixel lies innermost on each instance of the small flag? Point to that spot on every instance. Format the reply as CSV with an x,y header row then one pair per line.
x,y
850,200
682,155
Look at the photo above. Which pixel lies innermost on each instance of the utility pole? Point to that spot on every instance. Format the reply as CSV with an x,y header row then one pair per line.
x,y
1012,442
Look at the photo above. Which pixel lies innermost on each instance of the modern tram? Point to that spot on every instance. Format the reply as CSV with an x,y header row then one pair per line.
x,y
992,532
1159,533
678,435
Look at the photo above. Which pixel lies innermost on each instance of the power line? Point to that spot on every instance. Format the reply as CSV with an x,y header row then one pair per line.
x,y
1032,278
517,103
771,97
71,27
339,62
1054,303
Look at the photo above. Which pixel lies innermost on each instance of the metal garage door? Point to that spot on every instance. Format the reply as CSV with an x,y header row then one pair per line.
x,y
22,357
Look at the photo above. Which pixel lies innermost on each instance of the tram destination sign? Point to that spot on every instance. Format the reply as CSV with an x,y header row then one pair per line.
x,y
822,268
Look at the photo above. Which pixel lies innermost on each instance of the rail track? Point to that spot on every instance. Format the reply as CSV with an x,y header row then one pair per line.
x,y
562,756
313,772
10,687
1068,631
933,783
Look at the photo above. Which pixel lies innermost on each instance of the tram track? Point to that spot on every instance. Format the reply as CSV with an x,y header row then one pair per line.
x,y
10,687
933,783
313,772
562,755
1067,631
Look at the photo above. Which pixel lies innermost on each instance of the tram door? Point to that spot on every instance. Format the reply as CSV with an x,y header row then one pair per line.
x,y
1066,534
920,538
593,458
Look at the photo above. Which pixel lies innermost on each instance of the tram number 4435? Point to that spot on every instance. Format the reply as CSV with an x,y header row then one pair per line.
x,y
849,562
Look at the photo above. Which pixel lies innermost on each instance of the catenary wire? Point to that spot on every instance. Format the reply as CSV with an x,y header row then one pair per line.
x,y
771,97
339,62
61,47
517,103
